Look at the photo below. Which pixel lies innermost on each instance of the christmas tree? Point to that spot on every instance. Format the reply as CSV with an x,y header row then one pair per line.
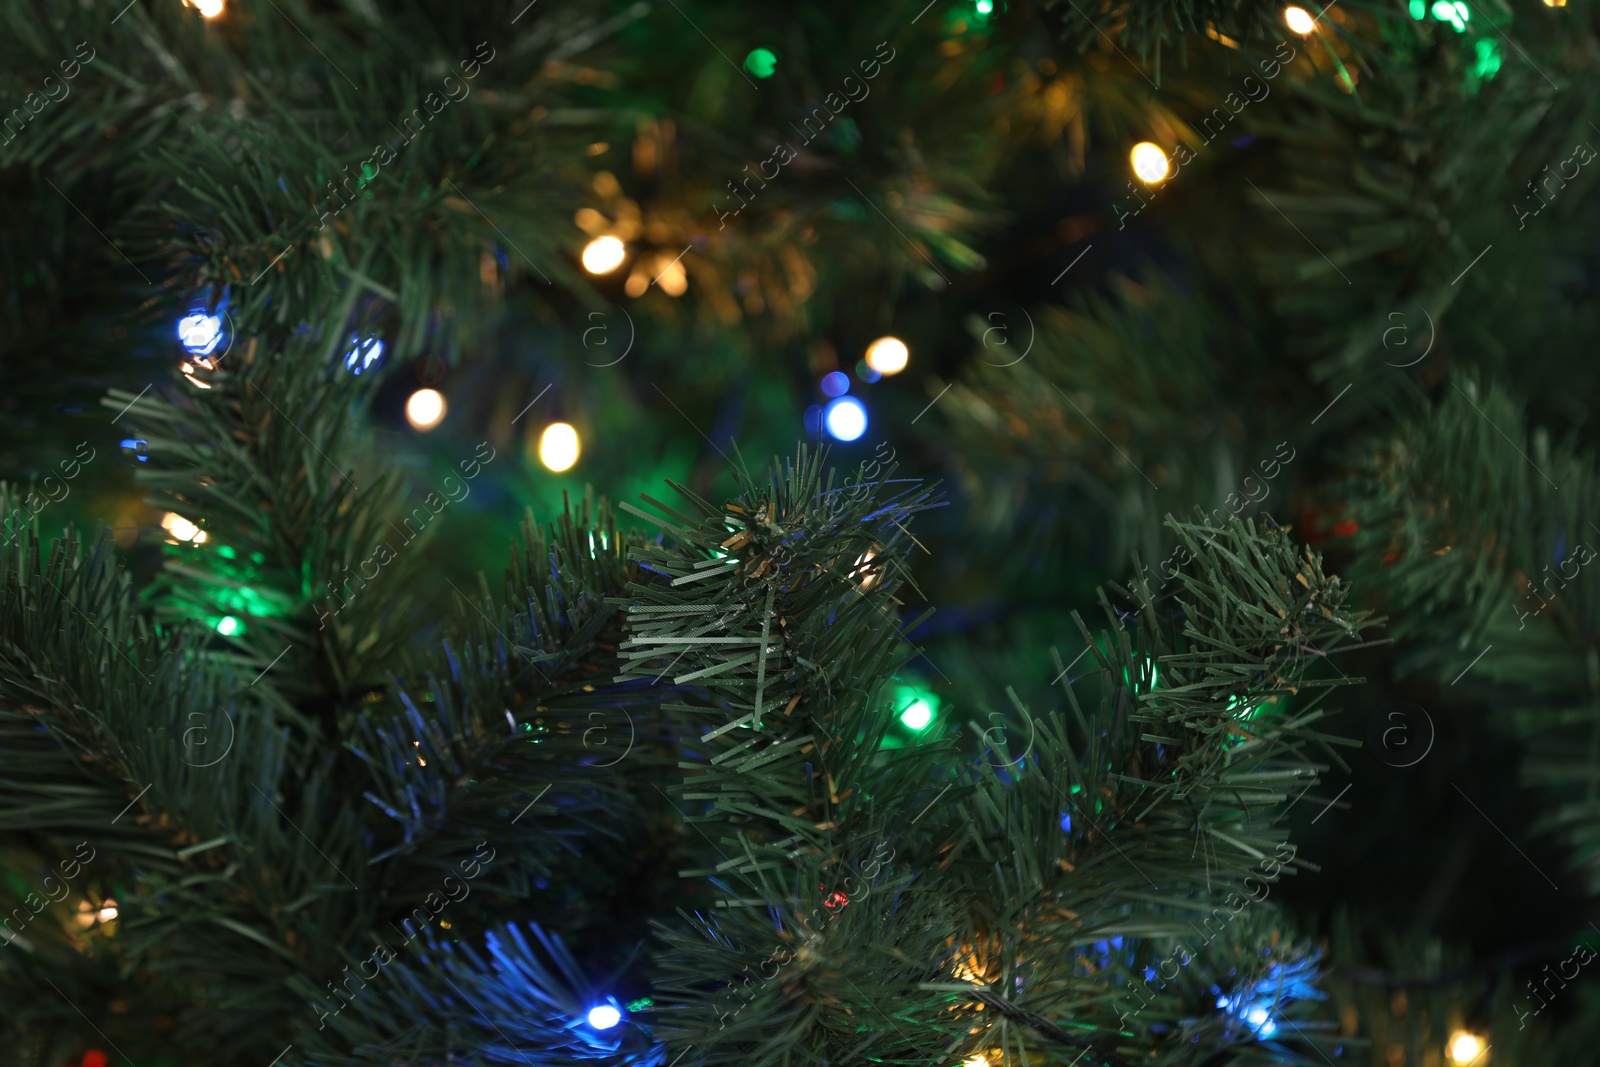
x,y
690,536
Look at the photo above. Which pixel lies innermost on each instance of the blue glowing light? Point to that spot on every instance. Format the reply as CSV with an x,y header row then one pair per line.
x,y
865,372
137,445
1066,822
604,1017
845,418
835,383
200,333
363,354
1258,1004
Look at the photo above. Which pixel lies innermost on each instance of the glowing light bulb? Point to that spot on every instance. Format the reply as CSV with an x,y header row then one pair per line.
x,y
182,529
1299,20
835,384
425,408
845,418
208,8
984,7
1150,163
917,706
363,354
1555,3
888,355
1465,1048
227,626
868,576
604,1017
980,1060
88,914
674,280
558,447
604,255
200,333
761,62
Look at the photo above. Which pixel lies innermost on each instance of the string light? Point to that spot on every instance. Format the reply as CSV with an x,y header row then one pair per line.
x,y
208,8
761,62
1455,12
1464,1047
88,914
916,706
860,568
835,384
888,355
604,255
425,408
227,626
1150,163
1555,3
182,529
363,354
980,1060
674,280
604,1017
1299,20
845,418
558,447
200,332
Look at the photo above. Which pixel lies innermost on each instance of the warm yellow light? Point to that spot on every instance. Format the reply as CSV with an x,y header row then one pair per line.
x,y
674,281
603,255
1149,162
208,8
558,446
425,408
861,568
88,914
888,355
1465,1048
1555,3
1299,20
182,529
980,1060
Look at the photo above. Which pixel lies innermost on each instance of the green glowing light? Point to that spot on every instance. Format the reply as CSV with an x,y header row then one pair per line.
x,y
1454,12
640,1005
1487,64
226,551
761,62
917,706
984,7
227,626
1419,9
